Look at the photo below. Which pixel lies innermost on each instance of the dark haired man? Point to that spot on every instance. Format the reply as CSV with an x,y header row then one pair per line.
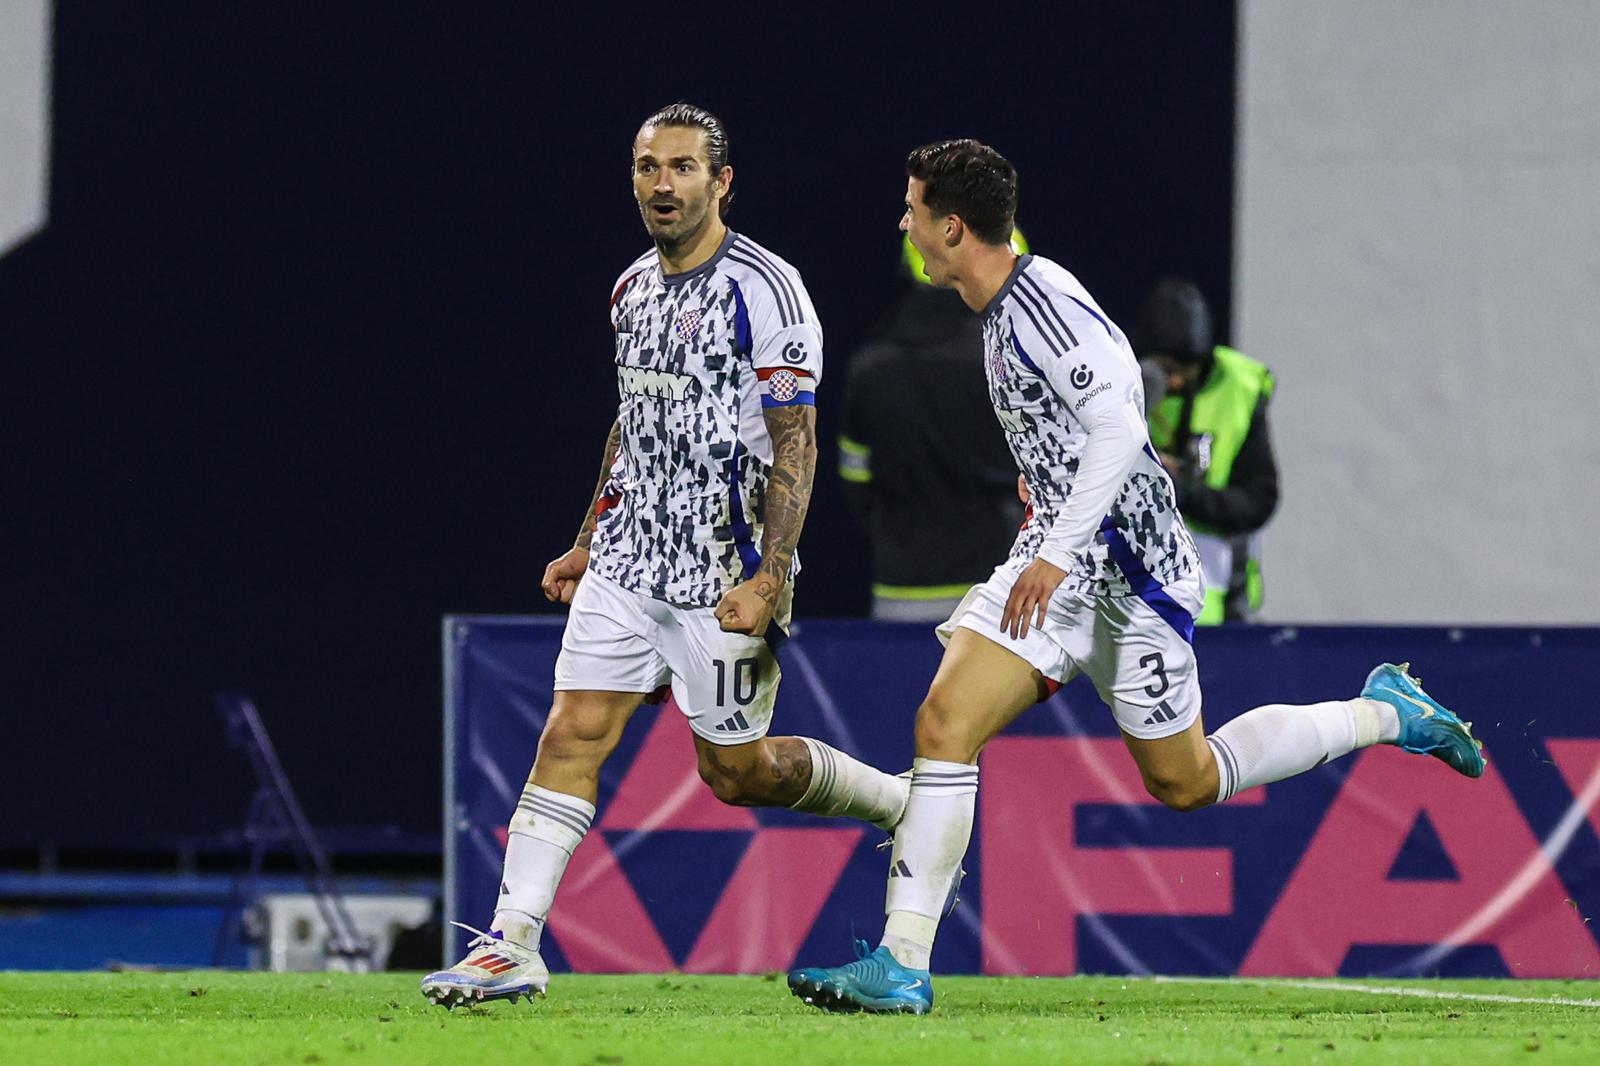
x,y
681,572
1103,579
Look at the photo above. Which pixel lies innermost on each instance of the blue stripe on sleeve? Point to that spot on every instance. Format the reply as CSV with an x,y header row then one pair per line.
x,y
799,398
1109,331
741,321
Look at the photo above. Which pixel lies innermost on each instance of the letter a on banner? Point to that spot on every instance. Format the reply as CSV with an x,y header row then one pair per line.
x,y
1506,895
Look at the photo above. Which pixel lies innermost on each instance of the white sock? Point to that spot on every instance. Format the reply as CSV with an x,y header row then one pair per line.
x,y
842,787
1271,743
543,833
928,846
909,938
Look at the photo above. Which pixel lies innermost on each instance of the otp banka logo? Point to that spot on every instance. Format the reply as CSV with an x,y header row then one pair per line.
x,y
794,352
25,132
1082,376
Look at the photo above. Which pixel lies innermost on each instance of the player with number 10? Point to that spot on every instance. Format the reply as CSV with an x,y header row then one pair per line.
x,y
682,572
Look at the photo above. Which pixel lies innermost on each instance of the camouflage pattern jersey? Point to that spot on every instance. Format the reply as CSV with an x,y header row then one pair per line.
x,y
1057,366
700,355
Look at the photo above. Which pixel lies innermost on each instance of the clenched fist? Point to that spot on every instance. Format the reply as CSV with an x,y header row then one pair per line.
x,y
561,577
748,606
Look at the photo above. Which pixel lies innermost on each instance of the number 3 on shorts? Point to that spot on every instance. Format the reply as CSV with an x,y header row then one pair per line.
x,y
1157,665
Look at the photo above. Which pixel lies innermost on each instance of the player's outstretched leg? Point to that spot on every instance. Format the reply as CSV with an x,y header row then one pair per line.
x,y
802,774
1274,742
979,689
1426,728
493,968
875,983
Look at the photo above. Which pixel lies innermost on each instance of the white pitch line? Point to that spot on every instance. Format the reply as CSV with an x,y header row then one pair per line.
x,y
1380,990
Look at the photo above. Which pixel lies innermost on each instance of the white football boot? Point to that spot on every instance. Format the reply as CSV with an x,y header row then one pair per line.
x,y
494,968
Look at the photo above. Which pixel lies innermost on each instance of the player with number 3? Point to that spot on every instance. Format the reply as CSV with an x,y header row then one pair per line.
x,y
1103,579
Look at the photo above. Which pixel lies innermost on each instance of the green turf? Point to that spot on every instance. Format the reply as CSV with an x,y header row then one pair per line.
x,y
150,1019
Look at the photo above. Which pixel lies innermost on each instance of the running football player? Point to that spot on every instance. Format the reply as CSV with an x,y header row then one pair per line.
x,y
682,572
1103,579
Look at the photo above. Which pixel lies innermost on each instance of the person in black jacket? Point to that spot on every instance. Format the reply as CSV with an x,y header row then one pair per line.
x,y
924,462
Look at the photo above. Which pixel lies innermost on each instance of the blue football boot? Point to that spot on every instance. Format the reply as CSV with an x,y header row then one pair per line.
x,y
874,983
1426,728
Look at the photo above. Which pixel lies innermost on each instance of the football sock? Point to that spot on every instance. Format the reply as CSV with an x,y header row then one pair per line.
x,y
848,788
928,846
545,829
1277,741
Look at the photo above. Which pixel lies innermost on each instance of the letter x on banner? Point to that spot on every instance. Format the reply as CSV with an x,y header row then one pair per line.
x,y
1381,863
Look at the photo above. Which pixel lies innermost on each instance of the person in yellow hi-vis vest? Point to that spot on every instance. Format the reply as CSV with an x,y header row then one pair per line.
x,y
1207,409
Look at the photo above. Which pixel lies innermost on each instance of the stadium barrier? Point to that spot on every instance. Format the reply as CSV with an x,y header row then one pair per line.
x,y
1381,863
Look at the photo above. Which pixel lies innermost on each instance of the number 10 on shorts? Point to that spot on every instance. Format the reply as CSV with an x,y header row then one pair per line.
x,y
744,681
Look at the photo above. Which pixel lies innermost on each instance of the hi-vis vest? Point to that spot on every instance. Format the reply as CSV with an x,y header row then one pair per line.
x,y
1219,421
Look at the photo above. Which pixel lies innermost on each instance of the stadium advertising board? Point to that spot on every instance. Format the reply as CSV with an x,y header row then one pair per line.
x,y
1378,864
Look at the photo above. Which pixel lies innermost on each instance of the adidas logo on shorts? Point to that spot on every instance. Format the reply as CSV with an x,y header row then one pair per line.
x,y
1162,713
737,724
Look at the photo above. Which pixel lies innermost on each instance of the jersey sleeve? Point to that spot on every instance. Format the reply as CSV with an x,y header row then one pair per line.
x,y
1079,355
785,340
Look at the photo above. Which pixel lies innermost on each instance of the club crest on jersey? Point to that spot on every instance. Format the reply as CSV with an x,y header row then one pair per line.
x,y
783,386
688,324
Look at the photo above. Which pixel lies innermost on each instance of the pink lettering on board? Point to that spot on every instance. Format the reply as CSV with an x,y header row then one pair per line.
x,y
1037,881
1505,895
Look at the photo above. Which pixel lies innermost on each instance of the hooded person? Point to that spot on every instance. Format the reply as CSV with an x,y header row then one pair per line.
x,y
1207,414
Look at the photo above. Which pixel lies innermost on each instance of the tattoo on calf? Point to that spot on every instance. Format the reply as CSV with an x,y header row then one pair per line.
x,y
791,766
720,768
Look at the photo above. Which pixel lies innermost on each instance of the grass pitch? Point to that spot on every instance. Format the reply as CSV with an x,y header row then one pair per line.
x,y
209,1017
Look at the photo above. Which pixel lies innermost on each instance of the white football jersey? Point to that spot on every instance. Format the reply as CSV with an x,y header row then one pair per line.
x,y
699,356
1058,367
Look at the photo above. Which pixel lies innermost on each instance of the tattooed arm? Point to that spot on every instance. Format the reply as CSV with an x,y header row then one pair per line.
x,y
748,607
561,577
586,531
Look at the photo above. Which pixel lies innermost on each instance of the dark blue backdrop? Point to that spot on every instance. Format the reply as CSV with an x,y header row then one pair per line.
x,y
313,349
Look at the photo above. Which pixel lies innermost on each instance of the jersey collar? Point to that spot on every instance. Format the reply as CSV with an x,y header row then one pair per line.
x,y
1011,279
704,268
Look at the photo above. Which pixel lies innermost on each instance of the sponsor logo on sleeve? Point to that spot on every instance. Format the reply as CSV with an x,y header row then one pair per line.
x,y
1082,376
1091,394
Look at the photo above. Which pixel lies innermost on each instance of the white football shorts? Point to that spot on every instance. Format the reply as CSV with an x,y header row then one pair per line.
x,y
1143,668
618,640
